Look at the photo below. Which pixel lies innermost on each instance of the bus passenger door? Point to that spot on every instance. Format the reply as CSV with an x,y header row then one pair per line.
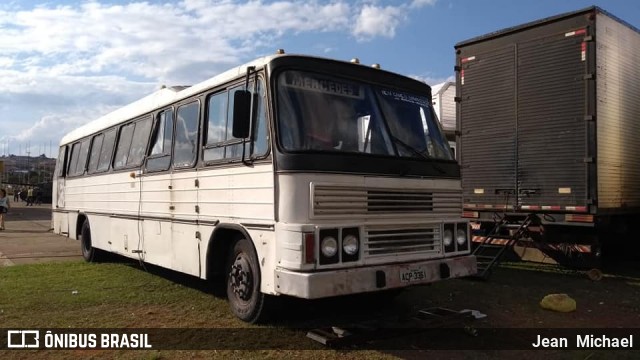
x,y
60,176
184,190
60,219
157,191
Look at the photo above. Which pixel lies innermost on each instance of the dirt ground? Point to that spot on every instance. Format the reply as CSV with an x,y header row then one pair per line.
x,y
511,298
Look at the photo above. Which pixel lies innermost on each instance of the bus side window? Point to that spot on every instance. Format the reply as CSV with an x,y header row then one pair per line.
x,y
79,153
220,143
139,142
259,122
94,157
186,136
124,143
73,158
82,158
160,150
61,170
107,150
216,126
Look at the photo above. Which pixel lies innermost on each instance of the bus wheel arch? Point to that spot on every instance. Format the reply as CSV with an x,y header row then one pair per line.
x,y
80,220
220,244
232,258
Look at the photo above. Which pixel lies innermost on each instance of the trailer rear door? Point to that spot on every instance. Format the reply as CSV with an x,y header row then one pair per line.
x,y
551,125
523,124
488,127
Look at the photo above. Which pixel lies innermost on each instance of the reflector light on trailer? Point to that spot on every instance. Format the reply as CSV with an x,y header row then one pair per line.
x,y
576,208
470,214
530,207
489,241
576,32
467,59
556,208
579,218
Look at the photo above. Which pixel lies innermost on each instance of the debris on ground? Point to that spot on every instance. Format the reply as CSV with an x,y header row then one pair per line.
x,y
475,313
558,302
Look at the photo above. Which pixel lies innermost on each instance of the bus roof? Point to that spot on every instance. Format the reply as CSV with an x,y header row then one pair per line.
x,y
158,99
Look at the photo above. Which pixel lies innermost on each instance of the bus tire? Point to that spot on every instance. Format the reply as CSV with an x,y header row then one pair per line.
x,y
243,283
89,253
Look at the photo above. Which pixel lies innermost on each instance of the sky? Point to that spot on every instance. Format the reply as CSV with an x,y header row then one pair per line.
x,y
65,63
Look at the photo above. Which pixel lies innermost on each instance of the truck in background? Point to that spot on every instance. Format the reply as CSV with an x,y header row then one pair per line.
x,y
548,123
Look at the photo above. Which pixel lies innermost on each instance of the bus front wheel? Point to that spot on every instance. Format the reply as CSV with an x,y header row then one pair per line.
x,y
243,283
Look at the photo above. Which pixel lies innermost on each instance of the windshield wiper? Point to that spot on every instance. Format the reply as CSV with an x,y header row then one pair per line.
x,y
417,152
409,147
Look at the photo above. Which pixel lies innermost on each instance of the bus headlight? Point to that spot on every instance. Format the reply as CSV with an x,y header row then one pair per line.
x,y
447,238
329,246
461,236
350,245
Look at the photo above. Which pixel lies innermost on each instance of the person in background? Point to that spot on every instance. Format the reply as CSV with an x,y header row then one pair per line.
x,y
4,206
16,195
30,196
38,196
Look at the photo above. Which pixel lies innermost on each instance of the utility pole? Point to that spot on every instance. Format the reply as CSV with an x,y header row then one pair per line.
x,y
28,165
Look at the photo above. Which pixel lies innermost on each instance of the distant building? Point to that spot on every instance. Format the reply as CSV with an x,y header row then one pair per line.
x,y
444,106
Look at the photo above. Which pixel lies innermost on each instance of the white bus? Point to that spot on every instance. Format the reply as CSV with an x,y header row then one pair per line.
x,y
290,175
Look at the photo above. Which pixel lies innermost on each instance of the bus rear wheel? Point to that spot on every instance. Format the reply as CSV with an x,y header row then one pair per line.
x,y
89,253
243,283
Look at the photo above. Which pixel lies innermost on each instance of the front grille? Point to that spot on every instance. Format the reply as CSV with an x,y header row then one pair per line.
x,y
384,240
381,201
332,201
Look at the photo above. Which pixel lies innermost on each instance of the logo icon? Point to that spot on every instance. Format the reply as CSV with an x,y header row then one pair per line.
x,y
23,339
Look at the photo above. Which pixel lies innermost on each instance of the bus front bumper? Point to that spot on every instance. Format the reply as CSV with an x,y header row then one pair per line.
x,y
375,278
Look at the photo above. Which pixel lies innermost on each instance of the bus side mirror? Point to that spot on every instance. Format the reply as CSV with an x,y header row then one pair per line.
x,y
241,114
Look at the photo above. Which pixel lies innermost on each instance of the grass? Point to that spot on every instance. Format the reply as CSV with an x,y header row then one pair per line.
x,y
122,295
77,294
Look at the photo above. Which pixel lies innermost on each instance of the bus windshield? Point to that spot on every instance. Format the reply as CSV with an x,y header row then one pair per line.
x,y
329,114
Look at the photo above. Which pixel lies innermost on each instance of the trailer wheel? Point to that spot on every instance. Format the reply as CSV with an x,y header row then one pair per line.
x,y
595,274
243,283
89,253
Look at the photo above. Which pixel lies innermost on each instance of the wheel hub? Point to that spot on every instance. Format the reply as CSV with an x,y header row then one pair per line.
x,y
240,278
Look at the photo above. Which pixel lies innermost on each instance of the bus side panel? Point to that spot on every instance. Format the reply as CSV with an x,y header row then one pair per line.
x,y
101,236
237,195
60,223
265,244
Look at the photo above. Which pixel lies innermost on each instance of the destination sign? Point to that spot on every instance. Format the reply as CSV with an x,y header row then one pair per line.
x,y
322,85
400,96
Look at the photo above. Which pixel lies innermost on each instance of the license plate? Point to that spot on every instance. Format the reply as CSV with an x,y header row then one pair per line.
x,y
413,275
